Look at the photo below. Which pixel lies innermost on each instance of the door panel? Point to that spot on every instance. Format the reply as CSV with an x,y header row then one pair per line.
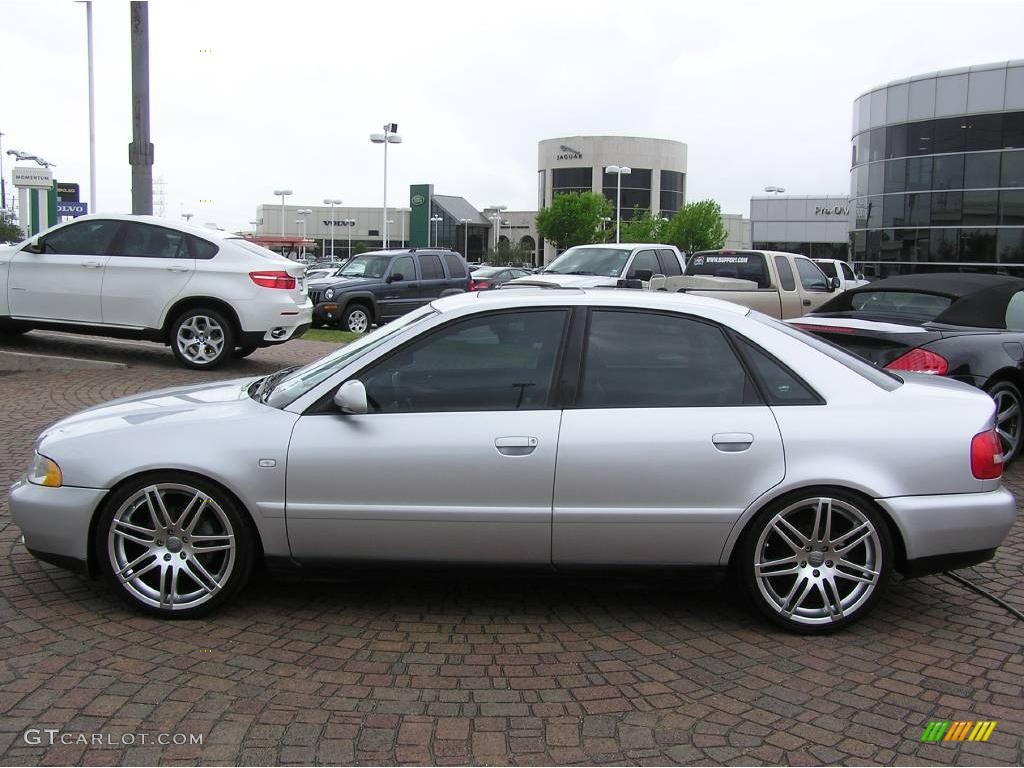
x,y
65,281
650,485
151,266
400,296
429,487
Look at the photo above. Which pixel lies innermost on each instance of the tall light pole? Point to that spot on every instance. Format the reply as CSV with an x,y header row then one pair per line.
x,y
303,212
187,217
92,107
332,202
390,136
436,220
465,234
140,151
389,222
349,223
620,171
282,193
496,218
253,224
3,188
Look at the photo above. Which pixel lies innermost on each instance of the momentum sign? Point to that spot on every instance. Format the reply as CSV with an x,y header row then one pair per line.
x,y
33,178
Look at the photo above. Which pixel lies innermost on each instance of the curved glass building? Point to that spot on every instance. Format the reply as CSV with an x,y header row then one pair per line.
x,y
937,178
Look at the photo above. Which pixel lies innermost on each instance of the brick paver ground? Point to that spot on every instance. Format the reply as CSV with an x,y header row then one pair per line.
x,y
489,668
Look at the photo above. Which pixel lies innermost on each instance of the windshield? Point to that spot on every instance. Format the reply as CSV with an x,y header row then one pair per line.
x,y
587,260
366,266
304,379
918,306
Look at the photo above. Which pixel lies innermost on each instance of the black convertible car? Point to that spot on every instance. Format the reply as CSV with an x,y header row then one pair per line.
x,y
962,325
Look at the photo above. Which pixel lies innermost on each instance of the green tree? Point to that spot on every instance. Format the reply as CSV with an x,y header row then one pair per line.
x,y
697,227
10,233
359,247
573,218
643,227
507,254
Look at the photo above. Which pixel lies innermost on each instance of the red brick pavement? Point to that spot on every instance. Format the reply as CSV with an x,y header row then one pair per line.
x,y
492,668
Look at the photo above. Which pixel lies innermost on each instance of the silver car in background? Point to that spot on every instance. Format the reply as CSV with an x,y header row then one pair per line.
x,y
619,428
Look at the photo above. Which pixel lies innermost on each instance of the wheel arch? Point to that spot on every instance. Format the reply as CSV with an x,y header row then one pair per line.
x,y
195,302
1006,373
93,557
742,528
365,298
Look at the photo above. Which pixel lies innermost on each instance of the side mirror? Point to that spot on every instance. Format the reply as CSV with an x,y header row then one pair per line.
x,y
859,275
643,275
396,277
34,246
351,397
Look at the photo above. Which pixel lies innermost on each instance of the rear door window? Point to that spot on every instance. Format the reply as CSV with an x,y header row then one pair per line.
x,y
742,266
456,266
669,263
786,279
147,241
780,385
430,267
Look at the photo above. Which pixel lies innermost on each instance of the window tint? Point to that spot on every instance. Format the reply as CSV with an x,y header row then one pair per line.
x,y
202,249
785,273
644,260
152,242
779,384
669,262
456,266
744,266
645,360
403,267
828,268
926,306
811,278
497,362
848,271
84,238
430,267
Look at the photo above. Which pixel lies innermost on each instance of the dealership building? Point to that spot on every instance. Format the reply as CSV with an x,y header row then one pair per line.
x,y
937,179
816,226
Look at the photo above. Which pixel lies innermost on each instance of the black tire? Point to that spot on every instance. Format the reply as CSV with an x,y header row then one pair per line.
x,y
196,349
357,318
1009,417
13,329
241,352
796,601
169,555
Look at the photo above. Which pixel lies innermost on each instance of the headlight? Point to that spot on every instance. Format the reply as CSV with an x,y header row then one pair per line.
x,y
329,293
44,471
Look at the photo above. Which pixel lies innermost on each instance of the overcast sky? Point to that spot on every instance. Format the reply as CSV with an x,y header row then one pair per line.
x,y
251,96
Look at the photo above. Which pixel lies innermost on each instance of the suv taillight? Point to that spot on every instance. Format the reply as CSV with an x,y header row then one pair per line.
x,y
273,280
987,455
920,361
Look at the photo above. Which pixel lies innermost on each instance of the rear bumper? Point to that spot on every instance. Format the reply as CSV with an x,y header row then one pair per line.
x,y
964,525
55,521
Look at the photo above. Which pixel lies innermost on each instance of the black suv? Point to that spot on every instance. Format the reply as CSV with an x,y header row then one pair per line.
x,y
381,285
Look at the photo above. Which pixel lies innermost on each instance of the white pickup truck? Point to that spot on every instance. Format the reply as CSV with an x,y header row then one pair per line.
x,y
603,265
836,268
779,284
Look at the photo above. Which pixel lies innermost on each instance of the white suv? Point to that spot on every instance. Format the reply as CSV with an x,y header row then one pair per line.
x,y
210,295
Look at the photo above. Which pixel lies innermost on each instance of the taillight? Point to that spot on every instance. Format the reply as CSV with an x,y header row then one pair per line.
x,y
987,455
479,285
273,280
920,361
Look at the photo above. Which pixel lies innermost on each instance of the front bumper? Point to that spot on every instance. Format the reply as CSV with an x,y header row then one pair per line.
x,y
952,524
327,313
55,521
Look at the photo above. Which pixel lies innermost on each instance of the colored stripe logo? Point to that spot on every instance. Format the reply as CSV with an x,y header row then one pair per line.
x,y
958,730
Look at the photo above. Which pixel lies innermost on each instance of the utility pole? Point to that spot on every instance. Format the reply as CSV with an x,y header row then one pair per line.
x,y
140,151
93,205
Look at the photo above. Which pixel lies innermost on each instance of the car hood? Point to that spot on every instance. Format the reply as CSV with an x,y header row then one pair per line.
x,y
566,281
349,283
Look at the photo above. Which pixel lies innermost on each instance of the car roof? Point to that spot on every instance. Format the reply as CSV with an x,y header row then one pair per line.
x,y
952,284
623,246
161,221
536,296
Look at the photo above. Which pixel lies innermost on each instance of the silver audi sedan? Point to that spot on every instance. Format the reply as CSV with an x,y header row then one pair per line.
x,y
615,427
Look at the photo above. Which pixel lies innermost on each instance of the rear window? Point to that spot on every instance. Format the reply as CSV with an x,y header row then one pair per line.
x,y
877,376
456,266
743,266
920,306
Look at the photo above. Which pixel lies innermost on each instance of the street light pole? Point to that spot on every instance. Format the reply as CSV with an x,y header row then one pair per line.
x,y
92,109
436,220
332,202
619,170
303,212
349,223
3,188
390,136
282,193
497,226
465,233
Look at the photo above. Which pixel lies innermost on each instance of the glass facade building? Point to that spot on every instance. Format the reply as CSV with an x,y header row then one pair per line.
x,y
937,173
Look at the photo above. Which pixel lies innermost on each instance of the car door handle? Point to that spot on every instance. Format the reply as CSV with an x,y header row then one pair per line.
x,y
177,269
515,446
414,285
807,302
732,442
92,264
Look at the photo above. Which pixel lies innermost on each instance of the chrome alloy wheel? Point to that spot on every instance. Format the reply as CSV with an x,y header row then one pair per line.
x,y
818,561
171,546
1008,419
200,339
358,321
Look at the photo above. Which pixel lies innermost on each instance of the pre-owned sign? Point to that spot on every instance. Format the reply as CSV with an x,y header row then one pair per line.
x,y
67,192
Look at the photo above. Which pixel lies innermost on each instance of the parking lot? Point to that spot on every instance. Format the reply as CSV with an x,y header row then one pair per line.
x,y
491,667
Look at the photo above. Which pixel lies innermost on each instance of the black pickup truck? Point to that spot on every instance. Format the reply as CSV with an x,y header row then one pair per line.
x,y
381,285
